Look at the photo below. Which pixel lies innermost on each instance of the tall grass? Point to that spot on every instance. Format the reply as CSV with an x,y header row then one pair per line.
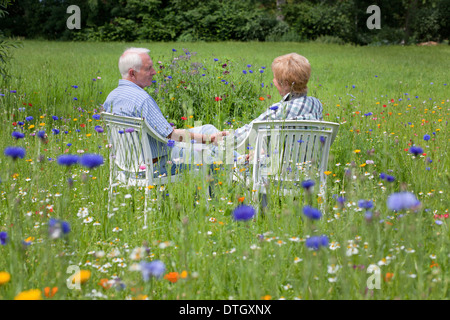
x,y
385,98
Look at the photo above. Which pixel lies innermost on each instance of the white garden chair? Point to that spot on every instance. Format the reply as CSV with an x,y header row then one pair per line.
x,y
286,152
131,159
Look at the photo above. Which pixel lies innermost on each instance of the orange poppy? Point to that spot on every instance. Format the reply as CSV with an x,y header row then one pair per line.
x,y
50,292
172,277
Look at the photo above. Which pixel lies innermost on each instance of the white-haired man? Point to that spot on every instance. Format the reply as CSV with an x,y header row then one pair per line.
x,y
130,99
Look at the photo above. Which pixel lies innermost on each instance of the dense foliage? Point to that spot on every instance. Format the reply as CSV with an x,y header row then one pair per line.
x,y
339,21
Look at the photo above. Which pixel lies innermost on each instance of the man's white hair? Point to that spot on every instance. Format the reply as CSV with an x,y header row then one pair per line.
x,y
131,59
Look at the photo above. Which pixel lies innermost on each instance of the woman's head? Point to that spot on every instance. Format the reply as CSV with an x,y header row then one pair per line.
x,y
291,73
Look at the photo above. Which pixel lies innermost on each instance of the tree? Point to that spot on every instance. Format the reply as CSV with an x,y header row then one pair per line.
x,y
5,44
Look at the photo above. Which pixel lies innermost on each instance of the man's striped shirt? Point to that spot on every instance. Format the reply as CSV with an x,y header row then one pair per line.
x,y
128,99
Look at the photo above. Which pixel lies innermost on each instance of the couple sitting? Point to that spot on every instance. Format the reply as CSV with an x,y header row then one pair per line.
x,y
291,75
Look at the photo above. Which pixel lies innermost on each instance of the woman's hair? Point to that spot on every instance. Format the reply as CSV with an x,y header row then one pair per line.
x,y
131,59
292,70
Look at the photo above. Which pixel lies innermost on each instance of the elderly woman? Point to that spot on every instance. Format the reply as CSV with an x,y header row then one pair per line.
x,y
291,74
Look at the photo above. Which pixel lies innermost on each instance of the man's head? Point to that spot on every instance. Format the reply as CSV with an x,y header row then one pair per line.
x,y
291,73
136,66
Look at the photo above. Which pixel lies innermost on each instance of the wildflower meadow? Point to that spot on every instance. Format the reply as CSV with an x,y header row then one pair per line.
x,y
380,231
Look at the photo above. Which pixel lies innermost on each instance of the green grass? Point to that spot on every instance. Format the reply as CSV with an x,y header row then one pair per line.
x,y
223,259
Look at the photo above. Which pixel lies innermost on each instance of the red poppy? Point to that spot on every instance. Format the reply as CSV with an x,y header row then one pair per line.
x,y
183,118
82,125
30,104
14,124
218,98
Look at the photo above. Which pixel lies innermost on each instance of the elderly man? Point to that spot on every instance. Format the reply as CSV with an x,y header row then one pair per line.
x,y
130,99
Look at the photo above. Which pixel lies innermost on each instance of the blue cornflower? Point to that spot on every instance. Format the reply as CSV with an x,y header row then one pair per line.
x,y
215,59
99,129
274,108
341,200
307,184
91,160
15,152
57,228
29,118
316,242
415,150
121,131
365,204
20,123
69,144
243,213
74,87
41,134
171,143
426,137
251,71
96,117
75,98
68,160
402,201
155,269
55,131
312,213
390,178
249,66
3,238
17,135
322,139
129,130
382,175
55,118
244,71
261,71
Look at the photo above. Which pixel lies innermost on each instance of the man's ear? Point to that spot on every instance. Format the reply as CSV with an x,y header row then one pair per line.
x,y
130,73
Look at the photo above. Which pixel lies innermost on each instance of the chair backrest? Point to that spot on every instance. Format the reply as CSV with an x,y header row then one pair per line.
x,y
288,149
129,139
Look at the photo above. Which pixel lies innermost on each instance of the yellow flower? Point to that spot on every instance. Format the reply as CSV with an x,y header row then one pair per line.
x,y
31,126
42,124
75,119
327,172
4,277
33,294
357,151
266,297
362,165
88,135
82,276
184,274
